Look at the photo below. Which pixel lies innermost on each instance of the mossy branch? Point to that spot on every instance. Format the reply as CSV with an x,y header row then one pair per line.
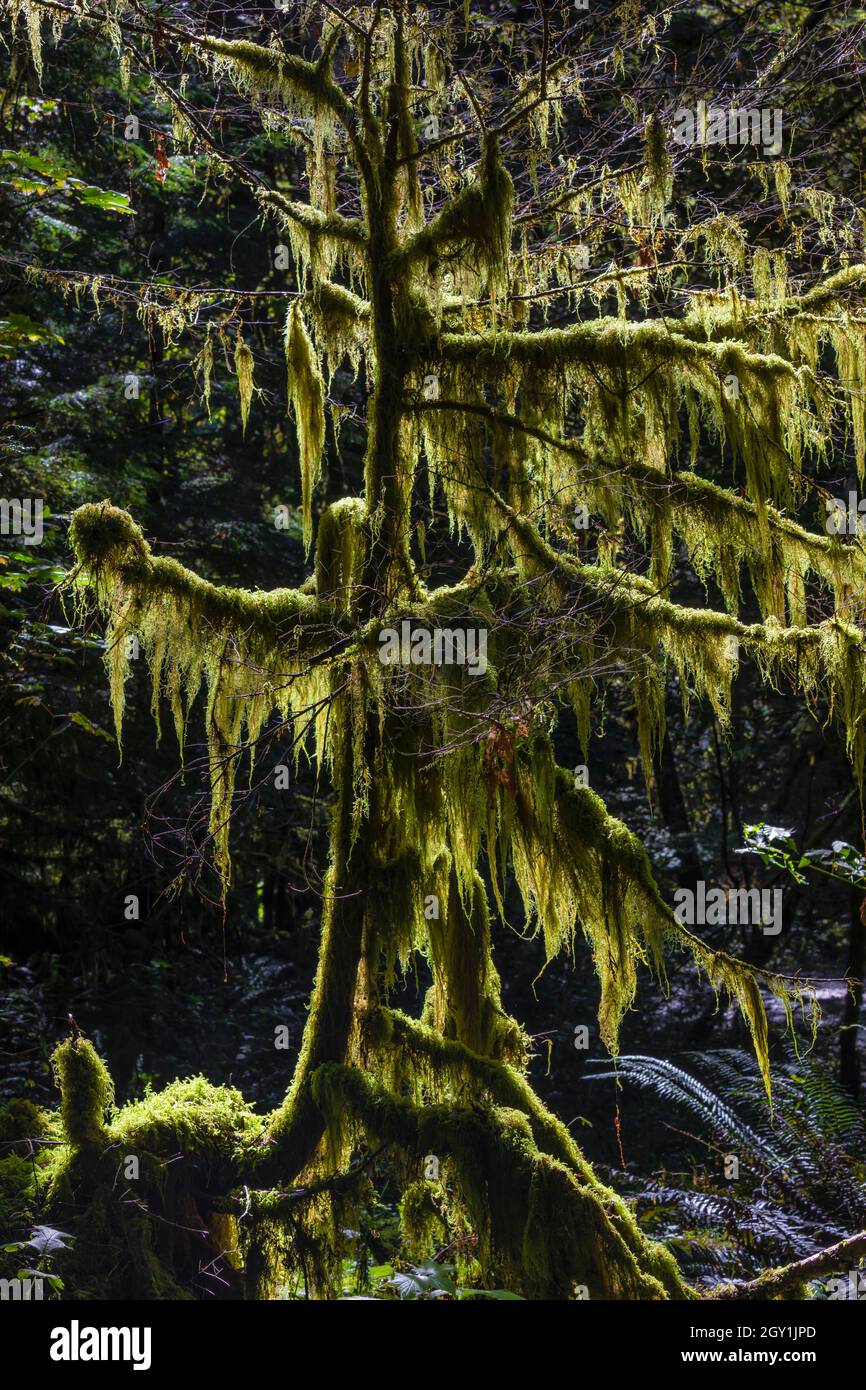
x,y
477,218
703,645
280,628
110,547
275,71
721,530
604,342
439,1062
316,223
788,1279
635,923
537,1223
721,315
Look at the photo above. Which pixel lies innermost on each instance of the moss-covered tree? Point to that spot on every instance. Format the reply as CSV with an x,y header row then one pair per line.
x,y
457,187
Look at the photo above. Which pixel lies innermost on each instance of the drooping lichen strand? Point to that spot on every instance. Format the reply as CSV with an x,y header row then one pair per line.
x,y
244,366
307,400
341,323
730,367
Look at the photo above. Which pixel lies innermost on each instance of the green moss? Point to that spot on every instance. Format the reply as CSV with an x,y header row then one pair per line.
x,y
307,400
237,643
16,1192
474,227
22,1120
31,1138
659,167
244,364
341,322
539,1229
191,1116
146,1236
341,552
86,1092
428,776
421,1218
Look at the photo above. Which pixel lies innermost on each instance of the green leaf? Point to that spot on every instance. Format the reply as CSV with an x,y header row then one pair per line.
x,y
17,330
45,1239
104,198
84,723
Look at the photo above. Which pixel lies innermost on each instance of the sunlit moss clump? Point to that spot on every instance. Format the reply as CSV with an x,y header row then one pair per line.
x,y
134,1181
86,1090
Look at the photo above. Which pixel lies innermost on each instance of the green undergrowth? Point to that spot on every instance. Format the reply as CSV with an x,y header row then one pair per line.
x,y
30,1137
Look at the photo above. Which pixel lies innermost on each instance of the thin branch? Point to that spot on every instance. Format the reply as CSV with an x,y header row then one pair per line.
x,y
775,1282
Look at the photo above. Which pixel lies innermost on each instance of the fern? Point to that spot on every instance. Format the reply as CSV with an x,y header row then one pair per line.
x,y
800,1185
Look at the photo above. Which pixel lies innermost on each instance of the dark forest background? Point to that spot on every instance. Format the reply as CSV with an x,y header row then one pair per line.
x,y
184,989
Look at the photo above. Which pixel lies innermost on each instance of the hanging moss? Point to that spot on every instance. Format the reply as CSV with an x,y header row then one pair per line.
x,y
723,532
540,1230
244,363
473,230
238,643
630,381
205,364
341,321
341,551
659,168
307,400
434,769
703,647
589,830
565,877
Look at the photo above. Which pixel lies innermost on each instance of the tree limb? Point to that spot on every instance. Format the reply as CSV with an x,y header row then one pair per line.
x,y
773,1283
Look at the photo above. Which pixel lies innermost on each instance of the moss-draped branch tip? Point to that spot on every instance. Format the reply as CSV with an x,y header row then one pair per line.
x,y
103,536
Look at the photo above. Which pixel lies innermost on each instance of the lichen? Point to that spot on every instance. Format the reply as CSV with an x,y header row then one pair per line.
x,y
244,364
307,400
